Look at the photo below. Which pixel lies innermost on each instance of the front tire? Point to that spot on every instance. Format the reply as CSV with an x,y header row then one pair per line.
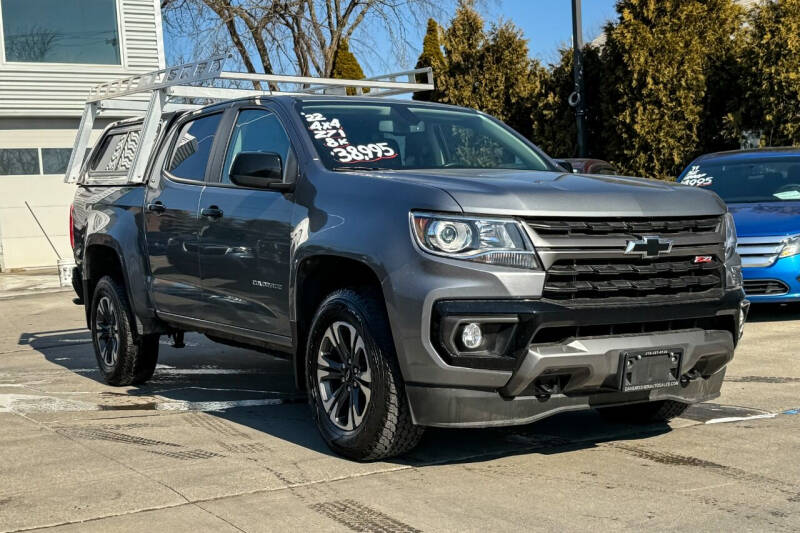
x,y
644,413
123,357
355,388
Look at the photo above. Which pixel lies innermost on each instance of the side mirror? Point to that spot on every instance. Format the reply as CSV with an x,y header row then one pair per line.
x,y
566,165
260,170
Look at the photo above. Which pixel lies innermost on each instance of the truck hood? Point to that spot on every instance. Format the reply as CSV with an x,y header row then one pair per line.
x,y
532,193
766,219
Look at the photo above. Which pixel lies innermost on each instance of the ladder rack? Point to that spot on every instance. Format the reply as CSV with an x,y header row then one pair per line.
x,y
172,88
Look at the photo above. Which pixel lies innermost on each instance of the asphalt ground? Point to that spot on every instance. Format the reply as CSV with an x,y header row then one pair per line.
x,y
220,441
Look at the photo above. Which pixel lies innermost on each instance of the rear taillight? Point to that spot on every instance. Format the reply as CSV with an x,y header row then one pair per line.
x,y
71,227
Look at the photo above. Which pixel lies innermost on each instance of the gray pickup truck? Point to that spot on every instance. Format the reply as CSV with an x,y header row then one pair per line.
x,y
421,265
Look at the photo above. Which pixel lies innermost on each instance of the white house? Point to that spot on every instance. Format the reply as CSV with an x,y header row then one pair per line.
x,y
51,53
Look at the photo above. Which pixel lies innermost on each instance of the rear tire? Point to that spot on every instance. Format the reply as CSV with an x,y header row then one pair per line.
x,y
356,391
644,413
124,358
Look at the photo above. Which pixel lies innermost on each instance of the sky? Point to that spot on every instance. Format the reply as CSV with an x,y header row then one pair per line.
x,y
547,24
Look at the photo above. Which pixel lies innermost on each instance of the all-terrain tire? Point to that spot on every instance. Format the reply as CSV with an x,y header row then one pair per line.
x,y
644,413
134,356
386,429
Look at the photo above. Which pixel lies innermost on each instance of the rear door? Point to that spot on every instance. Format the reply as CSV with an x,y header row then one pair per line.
x,y
172,223
245,233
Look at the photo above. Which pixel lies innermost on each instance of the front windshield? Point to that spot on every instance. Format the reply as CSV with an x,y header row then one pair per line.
x,y
398,136
747,182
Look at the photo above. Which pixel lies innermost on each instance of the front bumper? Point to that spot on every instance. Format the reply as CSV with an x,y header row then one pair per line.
x,y
451,407
786,270
580,371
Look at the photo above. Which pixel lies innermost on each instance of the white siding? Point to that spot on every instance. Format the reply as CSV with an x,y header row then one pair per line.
x,y
32,97
60,90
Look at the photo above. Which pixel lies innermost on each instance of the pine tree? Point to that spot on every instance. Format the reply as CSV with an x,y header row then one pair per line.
x,y
772,60
464,39
431,56
658,62
722,117
490,71
511,81
346,67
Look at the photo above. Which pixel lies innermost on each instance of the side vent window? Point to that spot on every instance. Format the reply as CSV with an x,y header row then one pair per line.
x,y
116,153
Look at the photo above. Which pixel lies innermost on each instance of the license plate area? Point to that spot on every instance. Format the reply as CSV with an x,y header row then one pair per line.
x,y
650,369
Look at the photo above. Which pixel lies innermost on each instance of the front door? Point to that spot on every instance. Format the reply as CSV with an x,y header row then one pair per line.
x,y
172,223
244,236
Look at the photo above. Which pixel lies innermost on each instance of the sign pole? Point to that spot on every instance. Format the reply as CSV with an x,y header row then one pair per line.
x,y
577,98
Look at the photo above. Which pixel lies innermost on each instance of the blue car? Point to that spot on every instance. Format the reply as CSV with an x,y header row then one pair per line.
x,y
762,190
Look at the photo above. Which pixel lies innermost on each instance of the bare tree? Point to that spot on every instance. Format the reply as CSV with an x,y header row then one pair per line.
x,y
303,35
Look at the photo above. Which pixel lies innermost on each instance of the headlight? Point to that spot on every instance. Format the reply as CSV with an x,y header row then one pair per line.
x,y
733,269
791,246
730,236
491,241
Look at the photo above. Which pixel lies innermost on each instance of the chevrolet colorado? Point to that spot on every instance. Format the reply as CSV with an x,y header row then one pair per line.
x,y
420,264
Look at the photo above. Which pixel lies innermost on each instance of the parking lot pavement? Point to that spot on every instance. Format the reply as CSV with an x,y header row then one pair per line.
x,y
219,440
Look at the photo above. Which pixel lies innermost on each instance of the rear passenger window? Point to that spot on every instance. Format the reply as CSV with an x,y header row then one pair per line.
x,y
192,149
116,153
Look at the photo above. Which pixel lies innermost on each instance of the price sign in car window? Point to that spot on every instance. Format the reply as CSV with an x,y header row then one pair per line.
x,y
695,178
334,138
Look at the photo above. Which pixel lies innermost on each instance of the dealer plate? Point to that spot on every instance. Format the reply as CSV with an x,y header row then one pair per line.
x,y
650,369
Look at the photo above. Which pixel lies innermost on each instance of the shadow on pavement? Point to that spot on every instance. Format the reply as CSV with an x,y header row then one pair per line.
x,y
257,391
774,312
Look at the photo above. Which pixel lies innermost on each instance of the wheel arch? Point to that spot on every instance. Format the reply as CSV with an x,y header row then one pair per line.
x,y
103,256
316,277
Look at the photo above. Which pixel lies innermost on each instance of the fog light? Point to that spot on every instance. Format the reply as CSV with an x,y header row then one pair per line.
x,y
471,336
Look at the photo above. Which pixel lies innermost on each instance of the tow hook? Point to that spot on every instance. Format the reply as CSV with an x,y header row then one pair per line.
x,y
177,339
691,375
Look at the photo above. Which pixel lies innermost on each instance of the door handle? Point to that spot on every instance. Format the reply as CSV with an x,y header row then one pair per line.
x,y
211,212
156,207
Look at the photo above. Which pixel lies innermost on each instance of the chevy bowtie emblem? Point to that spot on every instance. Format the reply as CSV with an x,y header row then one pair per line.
x,y
649,247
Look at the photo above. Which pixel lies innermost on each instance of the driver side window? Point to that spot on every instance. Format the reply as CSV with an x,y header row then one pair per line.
x,y
256,130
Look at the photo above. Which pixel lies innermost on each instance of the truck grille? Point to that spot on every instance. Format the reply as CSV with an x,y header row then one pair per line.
x,y
759,251
617,226
593,279
765,287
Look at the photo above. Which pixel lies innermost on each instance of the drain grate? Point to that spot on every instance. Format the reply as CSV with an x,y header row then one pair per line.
x,y
216,425
242,448
132,425
359,517
187,455
114,436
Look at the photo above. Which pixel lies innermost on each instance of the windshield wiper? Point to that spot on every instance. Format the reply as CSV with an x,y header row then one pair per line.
x,y
344,169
